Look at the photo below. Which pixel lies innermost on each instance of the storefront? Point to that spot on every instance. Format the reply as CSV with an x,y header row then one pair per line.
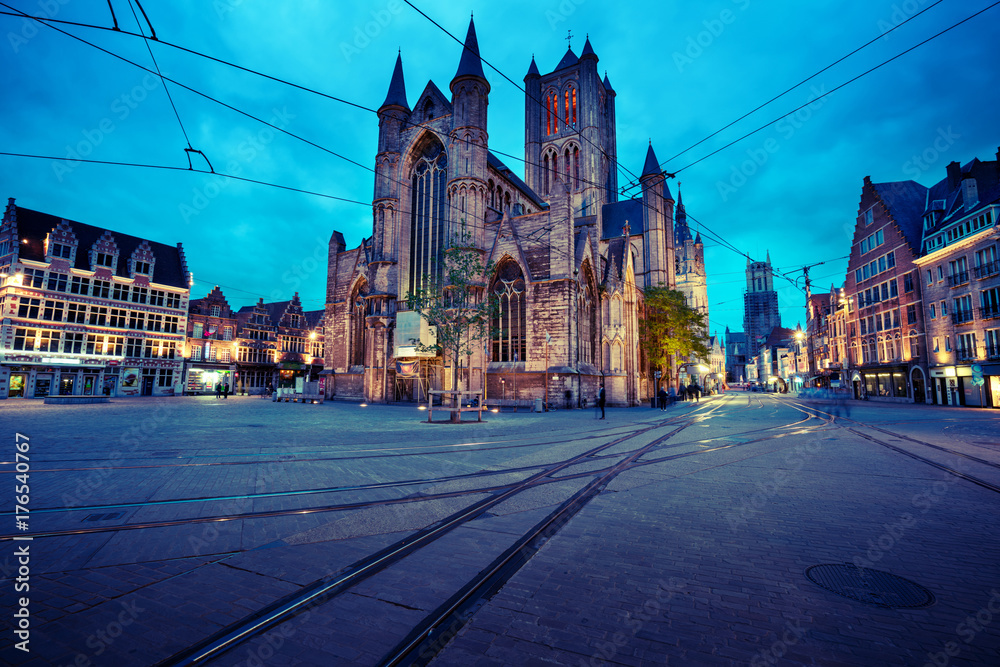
x,y
41,380
202,379
886,383
958,385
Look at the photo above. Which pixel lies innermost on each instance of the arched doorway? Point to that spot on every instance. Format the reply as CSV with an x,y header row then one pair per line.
x,y
918,383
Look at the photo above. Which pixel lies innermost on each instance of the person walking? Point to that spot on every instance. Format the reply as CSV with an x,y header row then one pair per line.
x,y
673,395
662,395
694,392
218,390
601,400
225,391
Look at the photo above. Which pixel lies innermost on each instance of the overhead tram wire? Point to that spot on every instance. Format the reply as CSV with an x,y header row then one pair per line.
x,y
790,89
846,83
167,167
47,21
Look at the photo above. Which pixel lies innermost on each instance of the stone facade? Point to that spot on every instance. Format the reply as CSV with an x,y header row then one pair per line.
x,y
760,304
569,261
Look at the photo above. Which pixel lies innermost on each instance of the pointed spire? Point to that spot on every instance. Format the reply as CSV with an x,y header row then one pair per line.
x,y
607,84
397,89
697,239
588,50
533,68
768,256
470,64
652,166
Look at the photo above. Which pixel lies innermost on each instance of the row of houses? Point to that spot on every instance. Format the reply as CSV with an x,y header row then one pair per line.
x,y
917,318
87,311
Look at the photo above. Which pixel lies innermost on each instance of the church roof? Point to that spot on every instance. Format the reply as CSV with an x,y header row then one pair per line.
x,y
568,60
493,161
532,69
614,269
397,89
697,239
588,50
607,84
470,64
616,214
652,165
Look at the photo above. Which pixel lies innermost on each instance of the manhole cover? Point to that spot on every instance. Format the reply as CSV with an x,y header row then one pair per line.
x,y
870,586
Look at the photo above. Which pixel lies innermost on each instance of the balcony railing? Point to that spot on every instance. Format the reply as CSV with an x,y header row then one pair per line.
x,y
987,312
965,353
957,279
986,270
962,316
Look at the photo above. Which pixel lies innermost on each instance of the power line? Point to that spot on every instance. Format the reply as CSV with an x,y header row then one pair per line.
x,y
167,167
846,83
800,83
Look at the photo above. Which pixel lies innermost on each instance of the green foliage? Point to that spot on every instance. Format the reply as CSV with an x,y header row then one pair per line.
x,y
671,329
456,303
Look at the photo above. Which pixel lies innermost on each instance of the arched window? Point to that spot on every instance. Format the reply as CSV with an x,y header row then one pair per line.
x,y
566,105
548,114
555,112
428,213
585,321
574,107
509,326
576,166
545,175
359,311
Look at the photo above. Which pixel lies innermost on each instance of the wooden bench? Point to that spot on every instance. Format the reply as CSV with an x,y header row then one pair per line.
x,y
465,404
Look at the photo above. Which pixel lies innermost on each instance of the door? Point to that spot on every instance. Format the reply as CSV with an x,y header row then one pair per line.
x,y
918,388
89,382
17,382
66,383
147,385
43,385
110,384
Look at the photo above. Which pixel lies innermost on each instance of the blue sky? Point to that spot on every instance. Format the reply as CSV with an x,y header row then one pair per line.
x,y
681,71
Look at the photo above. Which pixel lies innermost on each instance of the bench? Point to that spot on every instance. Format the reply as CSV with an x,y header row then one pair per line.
x,y
76,400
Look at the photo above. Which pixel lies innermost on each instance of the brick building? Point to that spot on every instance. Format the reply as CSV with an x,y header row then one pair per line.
x,y
960,275
87,311
883,296
257,348
211,349
570,259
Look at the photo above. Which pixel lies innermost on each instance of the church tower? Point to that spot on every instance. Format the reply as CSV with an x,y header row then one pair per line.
x,y
690,267
393,116
468,147
570,132
657,212
760,304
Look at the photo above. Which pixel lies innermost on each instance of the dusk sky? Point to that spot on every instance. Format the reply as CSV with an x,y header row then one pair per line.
x,y
681,72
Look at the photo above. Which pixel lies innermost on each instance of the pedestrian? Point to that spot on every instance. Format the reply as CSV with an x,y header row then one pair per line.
x,y
662,395
270,389
601,400
673,395
225,391
218,390
694,392
682,393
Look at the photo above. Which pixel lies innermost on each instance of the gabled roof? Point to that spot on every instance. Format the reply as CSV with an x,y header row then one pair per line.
x,y
615,215
437,98
470,64
568,60
397,88
313,318
493,161
34,226
905,200
614,269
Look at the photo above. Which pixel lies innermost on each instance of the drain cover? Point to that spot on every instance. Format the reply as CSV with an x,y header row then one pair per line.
x,y
870,586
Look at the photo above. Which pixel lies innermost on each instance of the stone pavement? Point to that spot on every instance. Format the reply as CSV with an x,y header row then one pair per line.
x,y
690,561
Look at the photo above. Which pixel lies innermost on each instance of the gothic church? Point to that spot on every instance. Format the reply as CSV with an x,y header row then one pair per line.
x,y
570,260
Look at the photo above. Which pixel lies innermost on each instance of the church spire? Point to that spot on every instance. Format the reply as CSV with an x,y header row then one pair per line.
x,y
532,69
652,166
397,88
588,50
471,64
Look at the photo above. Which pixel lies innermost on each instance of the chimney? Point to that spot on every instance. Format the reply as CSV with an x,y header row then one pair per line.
x,y
954,175
970,192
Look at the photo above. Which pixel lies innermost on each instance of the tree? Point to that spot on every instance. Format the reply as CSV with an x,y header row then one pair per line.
x,y
670,328
455,302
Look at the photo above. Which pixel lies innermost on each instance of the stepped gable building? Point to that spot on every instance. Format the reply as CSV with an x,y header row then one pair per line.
x,y
211,344
959,273
88,311
883,296
760,304
570,259
257,348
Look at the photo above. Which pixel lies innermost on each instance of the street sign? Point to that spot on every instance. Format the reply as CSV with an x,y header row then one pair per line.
x,y
978,381
656,374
